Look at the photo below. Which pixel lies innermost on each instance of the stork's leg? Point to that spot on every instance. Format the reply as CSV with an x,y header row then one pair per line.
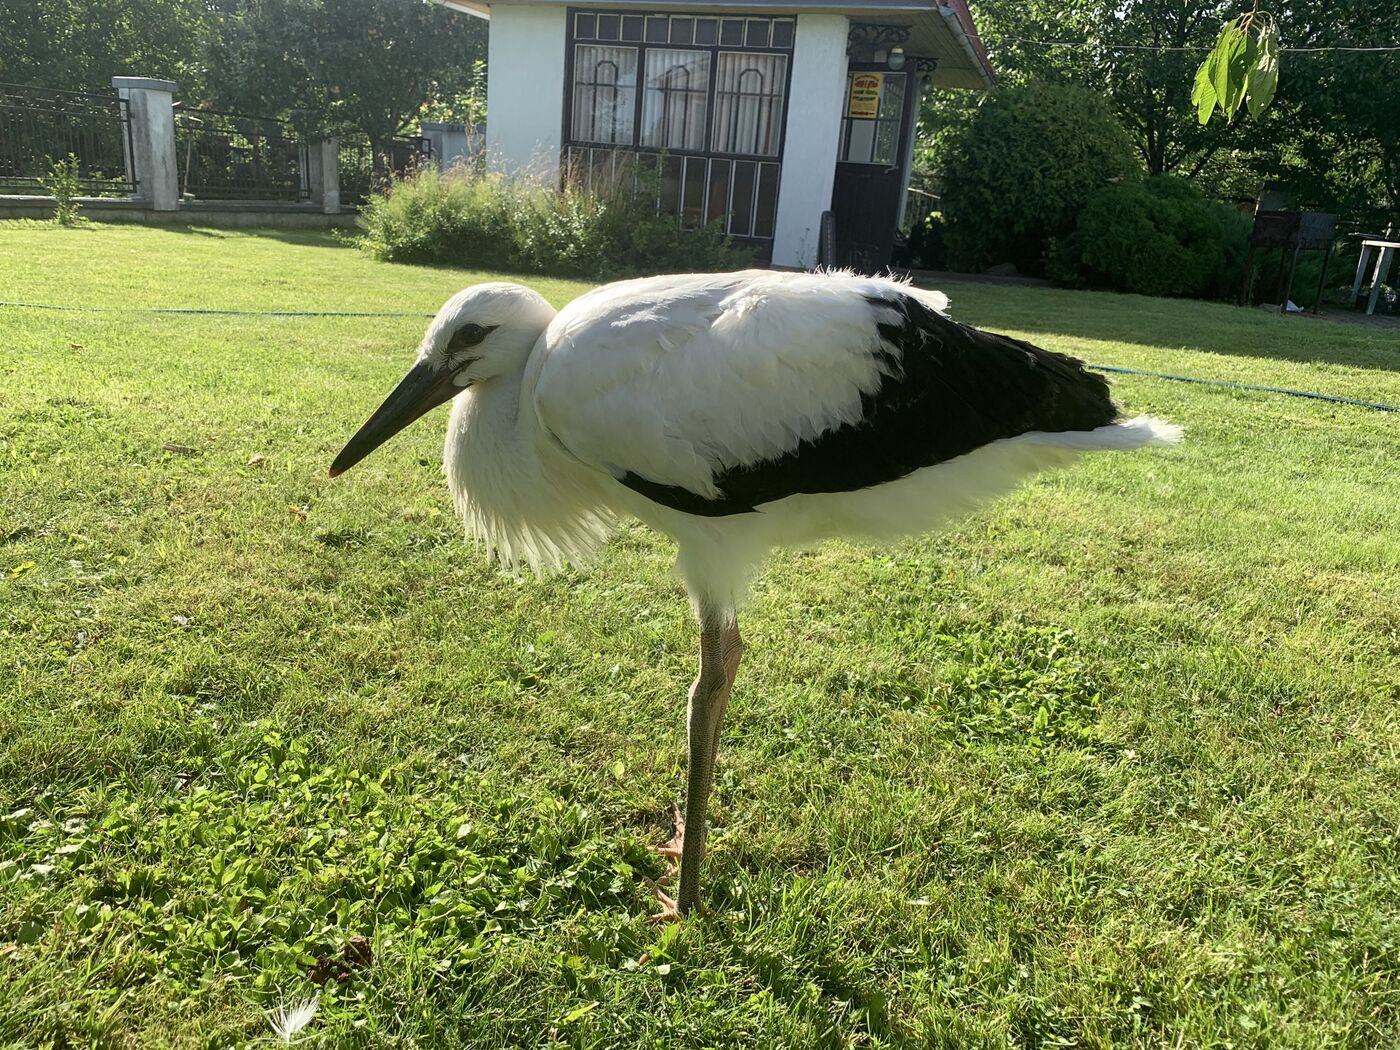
x,y
720,652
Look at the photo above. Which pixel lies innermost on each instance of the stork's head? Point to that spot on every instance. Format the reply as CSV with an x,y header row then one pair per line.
x,y
480,333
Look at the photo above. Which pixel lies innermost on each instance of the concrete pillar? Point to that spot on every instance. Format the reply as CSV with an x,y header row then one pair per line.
x,y
150,104
323,174
813,136
524,92
449,141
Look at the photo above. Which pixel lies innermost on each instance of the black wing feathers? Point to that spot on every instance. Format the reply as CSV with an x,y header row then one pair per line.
x,y
950,389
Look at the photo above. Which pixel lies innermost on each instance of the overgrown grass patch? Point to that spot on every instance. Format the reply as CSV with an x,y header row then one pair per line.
x,y
1111,764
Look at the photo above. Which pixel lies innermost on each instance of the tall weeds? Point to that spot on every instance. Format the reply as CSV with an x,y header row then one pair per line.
x,y
468,218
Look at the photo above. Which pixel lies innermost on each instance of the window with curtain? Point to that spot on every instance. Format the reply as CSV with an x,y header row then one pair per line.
x,y
604,89
674,99
699,99
749,90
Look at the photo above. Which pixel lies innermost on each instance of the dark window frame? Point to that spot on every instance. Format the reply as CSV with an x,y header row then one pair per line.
x,y
764,166
572,39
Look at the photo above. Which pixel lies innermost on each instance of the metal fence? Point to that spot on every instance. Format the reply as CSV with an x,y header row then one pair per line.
x,y
234,156
918,206
362,173
39,126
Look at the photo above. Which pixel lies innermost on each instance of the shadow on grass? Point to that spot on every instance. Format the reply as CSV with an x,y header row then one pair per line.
x,y
301,236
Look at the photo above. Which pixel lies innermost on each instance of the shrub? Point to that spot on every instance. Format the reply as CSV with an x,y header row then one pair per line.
x,y
489,222
1160,236
1018,172
62,184
925,246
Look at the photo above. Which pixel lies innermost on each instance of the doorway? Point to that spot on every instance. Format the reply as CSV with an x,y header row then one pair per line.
x,y
870,164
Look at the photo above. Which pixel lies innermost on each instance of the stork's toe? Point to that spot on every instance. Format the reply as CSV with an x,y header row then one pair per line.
x,y
671,849
670,911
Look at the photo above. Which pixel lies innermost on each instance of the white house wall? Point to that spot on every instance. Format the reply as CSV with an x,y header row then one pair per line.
x,y
813,136
525,89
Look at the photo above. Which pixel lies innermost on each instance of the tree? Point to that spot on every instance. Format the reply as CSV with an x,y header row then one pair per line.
x,y
1127,56
1023,167
1330,133
367,66
79,46
1341,146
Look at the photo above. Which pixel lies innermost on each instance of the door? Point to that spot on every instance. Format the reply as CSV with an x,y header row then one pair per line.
x,y
870,165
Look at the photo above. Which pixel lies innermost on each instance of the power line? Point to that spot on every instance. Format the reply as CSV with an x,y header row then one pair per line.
x,y
1189,47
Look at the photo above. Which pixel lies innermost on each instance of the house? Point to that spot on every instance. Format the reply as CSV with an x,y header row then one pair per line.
x,y
764,114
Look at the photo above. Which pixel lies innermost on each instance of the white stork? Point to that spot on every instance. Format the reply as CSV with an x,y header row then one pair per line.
x,y
735,413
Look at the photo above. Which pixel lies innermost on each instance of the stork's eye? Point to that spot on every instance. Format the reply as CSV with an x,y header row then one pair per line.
x,y
467,336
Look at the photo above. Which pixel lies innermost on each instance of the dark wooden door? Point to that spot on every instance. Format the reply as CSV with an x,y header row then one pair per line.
x,y
870,165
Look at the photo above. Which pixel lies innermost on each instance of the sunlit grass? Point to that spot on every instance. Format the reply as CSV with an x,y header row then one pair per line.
x,y
1112,764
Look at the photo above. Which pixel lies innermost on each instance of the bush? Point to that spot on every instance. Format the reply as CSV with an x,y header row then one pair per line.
x,y
63,186
1160,236
1018,173
485,221
924,246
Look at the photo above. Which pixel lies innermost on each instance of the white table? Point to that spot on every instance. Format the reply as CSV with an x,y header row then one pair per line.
x,y
1369,248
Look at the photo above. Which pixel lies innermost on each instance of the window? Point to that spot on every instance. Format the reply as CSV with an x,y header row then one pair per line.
x,y
716,84
749,104
605,88
674,102
871,135
700,100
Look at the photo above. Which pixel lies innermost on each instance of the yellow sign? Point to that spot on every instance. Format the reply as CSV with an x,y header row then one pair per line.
x,y
863,102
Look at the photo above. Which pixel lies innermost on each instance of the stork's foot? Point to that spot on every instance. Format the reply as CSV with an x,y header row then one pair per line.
x,y
671,849
670,911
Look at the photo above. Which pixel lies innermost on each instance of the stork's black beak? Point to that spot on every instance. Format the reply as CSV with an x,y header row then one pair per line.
x,y
422,390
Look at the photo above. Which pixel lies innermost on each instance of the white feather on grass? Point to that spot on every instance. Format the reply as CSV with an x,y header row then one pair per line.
x,y
290,1018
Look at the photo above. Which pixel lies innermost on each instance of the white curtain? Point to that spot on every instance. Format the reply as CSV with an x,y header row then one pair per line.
x,y
673,102
749,104
605,92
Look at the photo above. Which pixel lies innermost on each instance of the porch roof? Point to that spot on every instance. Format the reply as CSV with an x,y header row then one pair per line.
x,y
938,29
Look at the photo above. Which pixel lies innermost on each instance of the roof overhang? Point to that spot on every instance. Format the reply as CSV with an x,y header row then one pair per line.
x,y
939,29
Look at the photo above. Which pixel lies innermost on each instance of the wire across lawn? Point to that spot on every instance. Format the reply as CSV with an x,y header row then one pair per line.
x,y
1114,763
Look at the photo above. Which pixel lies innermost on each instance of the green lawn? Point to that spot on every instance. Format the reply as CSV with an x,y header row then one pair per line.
x,y
1115,763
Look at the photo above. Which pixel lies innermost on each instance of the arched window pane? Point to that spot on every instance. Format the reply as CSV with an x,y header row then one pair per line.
x,y
749,104
673,102
605,92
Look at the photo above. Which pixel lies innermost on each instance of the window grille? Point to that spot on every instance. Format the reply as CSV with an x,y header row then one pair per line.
x,y
605,88
708,115
749,104
675,100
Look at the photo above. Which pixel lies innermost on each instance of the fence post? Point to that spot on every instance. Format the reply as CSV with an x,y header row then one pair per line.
x,y
449,143
323,174
150,108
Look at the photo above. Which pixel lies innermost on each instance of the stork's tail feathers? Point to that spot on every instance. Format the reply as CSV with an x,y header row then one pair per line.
x,y
1124,436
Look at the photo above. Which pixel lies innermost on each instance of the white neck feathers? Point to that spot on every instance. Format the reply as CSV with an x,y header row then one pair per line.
x,y
516,490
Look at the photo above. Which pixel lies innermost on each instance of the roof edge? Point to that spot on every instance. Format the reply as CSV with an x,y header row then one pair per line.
x,y
959,19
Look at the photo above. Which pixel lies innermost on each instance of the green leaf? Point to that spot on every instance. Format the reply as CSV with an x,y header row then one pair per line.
x,y
1229,65
1218,61
1262,80
578,1013
1203,94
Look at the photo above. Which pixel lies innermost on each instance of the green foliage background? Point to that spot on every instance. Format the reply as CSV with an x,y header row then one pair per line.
x,y
1020,170
1331,133
1160,236
363,66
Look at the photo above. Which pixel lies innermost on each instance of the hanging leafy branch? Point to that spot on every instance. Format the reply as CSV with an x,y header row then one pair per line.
x,y
1242,68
